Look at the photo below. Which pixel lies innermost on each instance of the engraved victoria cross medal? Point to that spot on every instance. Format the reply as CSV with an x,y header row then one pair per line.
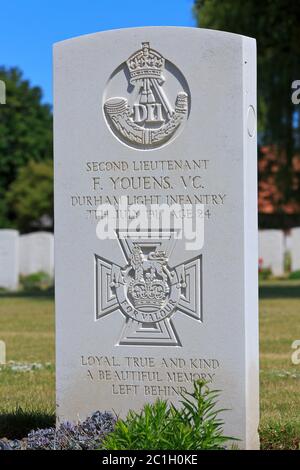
x,y
147,291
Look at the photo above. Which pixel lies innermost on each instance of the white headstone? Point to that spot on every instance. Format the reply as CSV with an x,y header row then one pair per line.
x,y
2,352
37,253
295,249
158,115
271,250
9,259
288,241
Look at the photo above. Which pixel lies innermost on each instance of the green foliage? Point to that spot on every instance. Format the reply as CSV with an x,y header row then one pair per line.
x,y
276,27
160,426
25,132
278,435
31,195
295,275
39,281
264,273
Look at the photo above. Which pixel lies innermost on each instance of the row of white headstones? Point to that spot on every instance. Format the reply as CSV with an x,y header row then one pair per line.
x,y
34,252
24,255
274,245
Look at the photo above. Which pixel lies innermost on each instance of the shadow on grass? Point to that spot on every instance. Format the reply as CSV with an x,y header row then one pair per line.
x,y
17,424
279,291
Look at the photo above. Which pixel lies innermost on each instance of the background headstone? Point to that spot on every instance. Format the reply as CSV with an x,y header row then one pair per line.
x,y
9,259
37,253
112,354
2,352
271,250
295,249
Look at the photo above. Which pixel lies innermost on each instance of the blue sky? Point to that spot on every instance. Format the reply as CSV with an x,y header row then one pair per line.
x,y
30,27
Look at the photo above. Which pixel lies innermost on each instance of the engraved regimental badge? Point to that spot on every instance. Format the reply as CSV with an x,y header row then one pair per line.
x,y
157,102
147,291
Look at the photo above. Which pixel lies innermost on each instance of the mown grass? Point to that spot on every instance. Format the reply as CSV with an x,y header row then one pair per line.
x,y
279,377
28,398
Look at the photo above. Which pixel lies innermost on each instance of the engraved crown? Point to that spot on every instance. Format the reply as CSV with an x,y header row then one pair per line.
x,y
145,63
148,293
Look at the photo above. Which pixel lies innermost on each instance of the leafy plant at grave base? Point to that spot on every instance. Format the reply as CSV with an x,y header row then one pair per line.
x,y
161,426
295,275
86,435
36,282
264,273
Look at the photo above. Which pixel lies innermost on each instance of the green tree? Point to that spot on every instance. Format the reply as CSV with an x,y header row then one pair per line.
x,y
275,24
30,196
25,132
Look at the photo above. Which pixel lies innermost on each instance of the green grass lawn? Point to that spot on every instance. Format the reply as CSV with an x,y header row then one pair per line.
x,y
279,378
28,397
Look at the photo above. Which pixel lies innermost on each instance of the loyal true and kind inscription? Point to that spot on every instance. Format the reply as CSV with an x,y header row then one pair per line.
x,y
152,376
113,176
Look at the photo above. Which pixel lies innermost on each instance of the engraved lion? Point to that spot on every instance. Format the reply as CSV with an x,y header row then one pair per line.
x,y
156,263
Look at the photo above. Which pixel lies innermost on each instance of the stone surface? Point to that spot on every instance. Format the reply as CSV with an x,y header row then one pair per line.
x,y
184,133
2,352
2,92
295,248
271,250
9,259
37,253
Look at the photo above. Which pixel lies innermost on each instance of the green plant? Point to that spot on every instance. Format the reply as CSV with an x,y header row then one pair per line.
x,y
264,273
160,426
295,275
36,282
